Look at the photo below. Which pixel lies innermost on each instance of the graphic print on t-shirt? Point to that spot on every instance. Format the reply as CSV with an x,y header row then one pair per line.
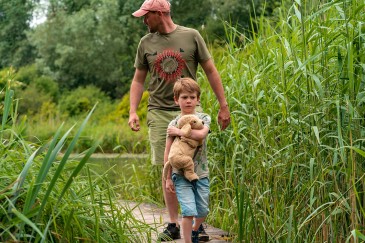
x,y
169,65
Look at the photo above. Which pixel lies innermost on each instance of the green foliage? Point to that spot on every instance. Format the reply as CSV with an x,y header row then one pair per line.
x,y
15,49
190,12
27,74
30,75
81,100
35,91
32,100
236,13
89,46
122,110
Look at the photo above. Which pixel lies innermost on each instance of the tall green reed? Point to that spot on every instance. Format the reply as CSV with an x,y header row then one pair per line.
x,y
291,163
44,199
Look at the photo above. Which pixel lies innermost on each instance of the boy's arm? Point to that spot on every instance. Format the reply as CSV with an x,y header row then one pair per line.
x,y
169,141
199,134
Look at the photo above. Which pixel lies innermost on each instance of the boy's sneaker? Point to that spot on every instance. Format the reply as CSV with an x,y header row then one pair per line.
x,y
171,232
195,236
203,236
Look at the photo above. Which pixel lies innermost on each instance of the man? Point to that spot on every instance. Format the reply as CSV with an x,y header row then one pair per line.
x,y
168,53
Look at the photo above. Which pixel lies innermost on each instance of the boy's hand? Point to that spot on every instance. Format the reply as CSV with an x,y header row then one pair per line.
x,y
170,186
174,132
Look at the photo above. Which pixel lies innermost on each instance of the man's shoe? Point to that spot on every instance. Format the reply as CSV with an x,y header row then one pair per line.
x,y
171,232
195,236
203,236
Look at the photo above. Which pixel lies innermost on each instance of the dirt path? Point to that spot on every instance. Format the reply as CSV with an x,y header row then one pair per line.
x,y
157,217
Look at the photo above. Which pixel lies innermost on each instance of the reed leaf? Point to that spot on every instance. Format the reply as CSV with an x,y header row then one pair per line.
x,y
9,94
64,160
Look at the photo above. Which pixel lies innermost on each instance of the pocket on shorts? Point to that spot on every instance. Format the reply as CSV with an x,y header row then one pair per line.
x,y
173,177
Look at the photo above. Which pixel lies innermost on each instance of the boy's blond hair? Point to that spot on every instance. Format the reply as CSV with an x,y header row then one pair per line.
x,y
186,85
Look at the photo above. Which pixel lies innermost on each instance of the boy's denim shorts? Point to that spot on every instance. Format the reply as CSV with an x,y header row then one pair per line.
x,y
193,197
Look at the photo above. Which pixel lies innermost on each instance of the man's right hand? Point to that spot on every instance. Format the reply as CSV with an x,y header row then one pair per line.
x,y
133,122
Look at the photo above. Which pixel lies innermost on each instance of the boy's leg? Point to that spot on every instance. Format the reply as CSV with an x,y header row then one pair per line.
x,y
197,223
186,224
202,203
186,196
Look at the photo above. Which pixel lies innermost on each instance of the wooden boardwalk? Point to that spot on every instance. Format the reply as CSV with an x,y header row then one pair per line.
x,y
157,217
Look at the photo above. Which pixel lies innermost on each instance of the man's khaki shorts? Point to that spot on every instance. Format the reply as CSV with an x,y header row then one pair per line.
x,y
157,121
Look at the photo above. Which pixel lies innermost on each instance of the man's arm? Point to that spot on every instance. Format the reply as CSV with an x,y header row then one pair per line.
x,y
216,83
136,91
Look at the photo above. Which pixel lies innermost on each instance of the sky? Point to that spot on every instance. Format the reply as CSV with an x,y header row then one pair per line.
x,y
39,15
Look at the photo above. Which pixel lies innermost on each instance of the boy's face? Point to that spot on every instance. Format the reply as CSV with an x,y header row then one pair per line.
x,y
187,102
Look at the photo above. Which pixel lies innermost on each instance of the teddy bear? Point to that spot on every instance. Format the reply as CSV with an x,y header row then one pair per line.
x,y
183,148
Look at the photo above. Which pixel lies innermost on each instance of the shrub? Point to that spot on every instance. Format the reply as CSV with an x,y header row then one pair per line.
x,y
32,100
122,110
81,100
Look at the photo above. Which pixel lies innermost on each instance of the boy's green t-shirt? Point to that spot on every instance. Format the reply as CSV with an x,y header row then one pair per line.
x,y
169,57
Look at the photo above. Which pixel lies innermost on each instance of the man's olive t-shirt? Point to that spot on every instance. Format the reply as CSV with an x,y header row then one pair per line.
x,y
169,57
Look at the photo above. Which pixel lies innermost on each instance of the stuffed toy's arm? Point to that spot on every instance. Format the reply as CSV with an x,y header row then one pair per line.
x,y
186,130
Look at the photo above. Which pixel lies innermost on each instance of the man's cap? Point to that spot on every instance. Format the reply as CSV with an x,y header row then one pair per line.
x,y
152,5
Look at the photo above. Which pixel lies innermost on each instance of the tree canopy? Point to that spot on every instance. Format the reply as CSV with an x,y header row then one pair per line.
x,y
15,16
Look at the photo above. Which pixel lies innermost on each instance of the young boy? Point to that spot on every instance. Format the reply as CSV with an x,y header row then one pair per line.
x,y
193,196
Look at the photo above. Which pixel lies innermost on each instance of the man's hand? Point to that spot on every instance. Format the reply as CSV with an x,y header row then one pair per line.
x,y
170,186
133,122
224,118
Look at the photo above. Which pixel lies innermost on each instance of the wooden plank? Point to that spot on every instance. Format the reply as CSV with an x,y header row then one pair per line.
x,y
157,217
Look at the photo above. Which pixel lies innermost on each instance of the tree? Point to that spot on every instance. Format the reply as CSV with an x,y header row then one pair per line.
x,y
239,13
191,13
15,16
93,45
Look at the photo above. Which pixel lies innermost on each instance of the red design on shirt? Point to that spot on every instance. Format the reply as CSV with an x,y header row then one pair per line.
x,y
169,65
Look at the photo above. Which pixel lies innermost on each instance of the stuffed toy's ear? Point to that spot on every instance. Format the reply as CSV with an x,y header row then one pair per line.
x,y
182,121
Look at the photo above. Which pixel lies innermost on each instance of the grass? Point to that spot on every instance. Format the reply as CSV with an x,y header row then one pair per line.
x,y
45,198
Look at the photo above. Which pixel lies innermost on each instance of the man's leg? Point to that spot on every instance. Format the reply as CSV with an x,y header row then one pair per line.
x,y
171,204
157,123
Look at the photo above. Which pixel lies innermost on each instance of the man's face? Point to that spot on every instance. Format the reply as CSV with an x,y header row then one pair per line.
x,y
151,19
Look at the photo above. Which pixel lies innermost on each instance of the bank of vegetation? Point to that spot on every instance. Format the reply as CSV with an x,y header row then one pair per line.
x,y
289,168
